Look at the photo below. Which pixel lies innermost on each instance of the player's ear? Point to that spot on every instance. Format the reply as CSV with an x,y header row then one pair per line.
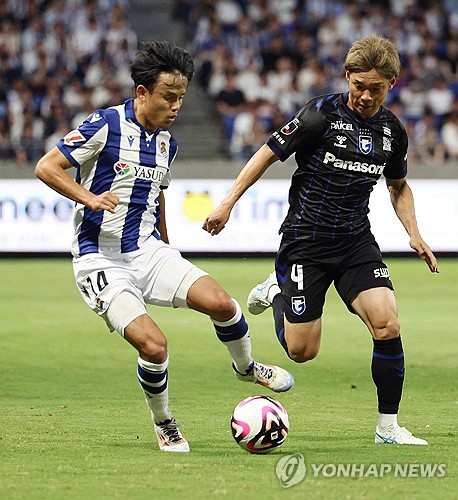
x,y
347,75
141,92
393,82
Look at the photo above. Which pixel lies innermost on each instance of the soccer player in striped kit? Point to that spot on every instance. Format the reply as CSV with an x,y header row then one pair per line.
x,y
342,144
122,258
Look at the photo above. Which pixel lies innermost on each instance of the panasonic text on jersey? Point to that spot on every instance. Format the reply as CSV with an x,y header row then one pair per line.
x,y
356,166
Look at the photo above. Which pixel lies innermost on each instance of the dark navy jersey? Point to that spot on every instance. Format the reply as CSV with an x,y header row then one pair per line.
x,y
340,156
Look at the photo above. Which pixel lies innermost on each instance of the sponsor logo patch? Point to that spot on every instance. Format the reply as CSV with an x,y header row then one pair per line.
x,y
355,166
341,126
340,141
155,173
121,168
381,272
72,137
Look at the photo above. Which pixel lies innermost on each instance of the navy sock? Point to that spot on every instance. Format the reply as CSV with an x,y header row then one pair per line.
x,y
388,373
277,307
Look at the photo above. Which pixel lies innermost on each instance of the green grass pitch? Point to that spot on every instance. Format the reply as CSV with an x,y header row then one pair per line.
x,y
73,423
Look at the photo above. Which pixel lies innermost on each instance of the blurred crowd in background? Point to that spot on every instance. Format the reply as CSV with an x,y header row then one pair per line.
x,y
59,60
258,61
261,60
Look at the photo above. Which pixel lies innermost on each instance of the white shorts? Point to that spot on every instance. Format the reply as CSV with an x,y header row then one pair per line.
x,y
156,274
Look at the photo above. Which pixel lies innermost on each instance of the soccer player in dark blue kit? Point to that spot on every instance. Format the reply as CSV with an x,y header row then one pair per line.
x,y
342,143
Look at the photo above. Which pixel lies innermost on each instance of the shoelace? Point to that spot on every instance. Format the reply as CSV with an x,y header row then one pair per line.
x,y
264,372
170,429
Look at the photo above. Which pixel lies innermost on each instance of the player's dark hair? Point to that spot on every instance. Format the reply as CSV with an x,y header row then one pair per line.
x,y
160,57
373,52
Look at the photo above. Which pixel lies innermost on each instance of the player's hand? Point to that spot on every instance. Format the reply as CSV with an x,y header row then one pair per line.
x,y
216,221
425,253
106,201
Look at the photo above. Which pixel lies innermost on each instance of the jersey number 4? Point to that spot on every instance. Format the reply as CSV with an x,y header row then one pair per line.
x,y
297,275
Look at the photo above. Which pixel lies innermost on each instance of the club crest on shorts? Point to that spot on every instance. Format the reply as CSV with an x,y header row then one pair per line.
x,y
365,142
298,305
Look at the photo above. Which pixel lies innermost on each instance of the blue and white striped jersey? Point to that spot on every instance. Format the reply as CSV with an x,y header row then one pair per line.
x,y
113,152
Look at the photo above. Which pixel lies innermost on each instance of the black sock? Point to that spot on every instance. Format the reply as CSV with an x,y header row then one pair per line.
x,y
388,373
277,307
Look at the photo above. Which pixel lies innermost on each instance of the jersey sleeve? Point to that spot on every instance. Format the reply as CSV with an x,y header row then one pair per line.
x,y
86,141
304,130
396,167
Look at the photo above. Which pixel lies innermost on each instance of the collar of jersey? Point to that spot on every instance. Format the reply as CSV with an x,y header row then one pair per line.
x,y
355,115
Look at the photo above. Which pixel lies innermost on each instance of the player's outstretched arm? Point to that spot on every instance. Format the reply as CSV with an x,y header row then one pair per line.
x,y
251,172
403,204
51,169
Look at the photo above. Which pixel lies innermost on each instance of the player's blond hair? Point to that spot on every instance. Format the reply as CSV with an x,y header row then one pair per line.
x,y
373,52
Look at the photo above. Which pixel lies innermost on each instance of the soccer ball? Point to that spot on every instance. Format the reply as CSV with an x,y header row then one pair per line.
x,y
259,424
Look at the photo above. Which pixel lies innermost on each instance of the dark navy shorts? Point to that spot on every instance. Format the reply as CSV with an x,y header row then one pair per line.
x,y
305,281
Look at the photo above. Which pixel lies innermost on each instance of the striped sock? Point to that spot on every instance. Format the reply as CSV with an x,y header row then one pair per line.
x,y
153,379
235,336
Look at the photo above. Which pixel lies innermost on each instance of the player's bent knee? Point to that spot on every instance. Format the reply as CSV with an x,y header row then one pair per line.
x,y
153,351
302,355
389,330
221,306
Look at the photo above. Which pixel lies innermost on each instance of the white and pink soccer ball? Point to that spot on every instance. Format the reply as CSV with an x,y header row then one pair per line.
x,y
259,424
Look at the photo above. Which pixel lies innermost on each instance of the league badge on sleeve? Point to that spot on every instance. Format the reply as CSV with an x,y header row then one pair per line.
x,y
72,137
290,127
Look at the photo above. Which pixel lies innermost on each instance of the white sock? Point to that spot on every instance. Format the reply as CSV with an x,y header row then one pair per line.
x,y
157,402
272,292
387,419
239,349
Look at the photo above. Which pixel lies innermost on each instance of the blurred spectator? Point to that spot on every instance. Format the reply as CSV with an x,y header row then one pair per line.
x,y
228,14
413,98
6,148
450,134
61,129
440,100
229,102
425,143
248,134
86,39
27,139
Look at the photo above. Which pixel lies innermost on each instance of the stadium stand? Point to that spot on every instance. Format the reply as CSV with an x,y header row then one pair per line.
x,y
257,62
59,59
269,57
